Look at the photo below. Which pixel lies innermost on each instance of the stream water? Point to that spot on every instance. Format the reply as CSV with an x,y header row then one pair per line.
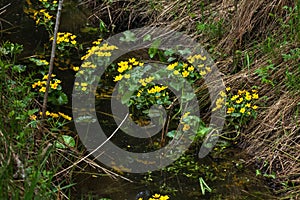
x,y
226,171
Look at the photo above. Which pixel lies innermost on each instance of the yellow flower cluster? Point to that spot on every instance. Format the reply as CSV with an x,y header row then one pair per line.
x,y
67,37
186,127
157,89
125,66
54,2
43,62
204,70
53,115
99,50
192,59
42,84
242,102
41,14
220,101
145,81
67,117
88,65
157,197
83,85
181,68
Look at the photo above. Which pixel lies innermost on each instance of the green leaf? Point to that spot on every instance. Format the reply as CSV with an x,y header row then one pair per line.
x,y
176,85
204,186
19,68
62,99
154,48
187,96
147,37
102,27
173,134
38,62
31,112
125,98
257,172
68,140
186,51
203,131
169,52
128,37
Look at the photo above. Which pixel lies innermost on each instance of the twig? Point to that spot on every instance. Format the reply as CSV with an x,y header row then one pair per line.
x,y
94,149
44,107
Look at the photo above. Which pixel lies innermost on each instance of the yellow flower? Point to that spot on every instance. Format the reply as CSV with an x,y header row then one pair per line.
x,y
75,69
255,96
84,89
127,76
191,68
43,89
202,73
242,110
172,66
45,77
118,78
200,66
248,105
186,114
219,101
186,127
254,107
54,2
240,100
65,116
73,42
54,85
248,97
97,42
230,110
156,89
34,85
241,92
185,73
234,97
83,84
228,89
54,115
123,63
33,117
156,195
166,197
223,94
176,72
208,69
47,15
132,60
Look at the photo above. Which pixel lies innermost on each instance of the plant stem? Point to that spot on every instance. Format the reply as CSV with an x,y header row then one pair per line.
x,y
44,107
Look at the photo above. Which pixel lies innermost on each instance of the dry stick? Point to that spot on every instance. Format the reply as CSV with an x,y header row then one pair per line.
x,y
44,107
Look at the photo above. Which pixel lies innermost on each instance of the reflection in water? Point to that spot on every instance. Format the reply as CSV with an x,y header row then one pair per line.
x,y
225,171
